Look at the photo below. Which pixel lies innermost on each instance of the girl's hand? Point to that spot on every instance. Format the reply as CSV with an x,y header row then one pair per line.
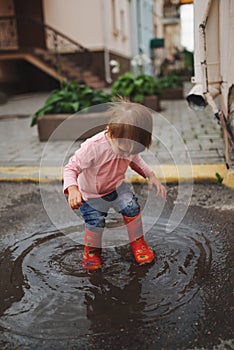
x,y
74,197
153,181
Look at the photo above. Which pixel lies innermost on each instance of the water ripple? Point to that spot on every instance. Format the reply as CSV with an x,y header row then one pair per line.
x,y
48,294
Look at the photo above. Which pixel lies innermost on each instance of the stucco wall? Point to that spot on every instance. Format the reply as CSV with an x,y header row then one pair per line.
x,y
80,20
90,23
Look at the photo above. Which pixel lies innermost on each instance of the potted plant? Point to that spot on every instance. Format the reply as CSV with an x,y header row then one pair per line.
x,y
140,88
172,87
66,102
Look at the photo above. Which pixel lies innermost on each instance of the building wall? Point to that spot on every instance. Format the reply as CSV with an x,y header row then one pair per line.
x,y
212,46
74,18
167,28
105,26
226,52
226,33
172,39
6,8
117,14
146,25
218,53
8,27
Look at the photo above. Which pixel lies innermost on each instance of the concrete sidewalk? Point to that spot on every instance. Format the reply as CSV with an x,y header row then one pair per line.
x,y
186,144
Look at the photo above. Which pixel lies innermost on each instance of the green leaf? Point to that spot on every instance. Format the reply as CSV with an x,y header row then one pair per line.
x,y
136,87
53,97
219,178
138,98
75,106
71,98
39,113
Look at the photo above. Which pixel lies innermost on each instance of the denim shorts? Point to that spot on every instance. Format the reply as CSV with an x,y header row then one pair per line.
x,y
95,210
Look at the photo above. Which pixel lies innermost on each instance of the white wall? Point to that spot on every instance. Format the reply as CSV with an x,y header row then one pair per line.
x,y
119,35
220,51
212,40
226,33
90,23
81,20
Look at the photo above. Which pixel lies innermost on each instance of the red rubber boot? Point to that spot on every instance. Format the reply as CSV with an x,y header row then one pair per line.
x,y
142,253
92,250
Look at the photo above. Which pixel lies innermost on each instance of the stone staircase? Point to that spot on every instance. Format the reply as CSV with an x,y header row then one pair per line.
x,y
68,68
57,55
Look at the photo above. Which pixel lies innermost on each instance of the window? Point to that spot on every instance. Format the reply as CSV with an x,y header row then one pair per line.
x,y
122,25
115,30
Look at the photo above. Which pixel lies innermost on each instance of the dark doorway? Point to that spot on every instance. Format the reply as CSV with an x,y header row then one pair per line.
x,y
29,23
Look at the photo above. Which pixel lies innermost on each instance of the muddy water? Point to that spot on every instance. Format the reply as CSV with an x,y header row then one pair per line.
x,y
181,301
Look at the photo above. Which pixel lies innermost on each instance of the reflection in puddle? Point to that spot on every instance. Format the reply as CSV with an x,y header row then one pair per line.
x,y
48,295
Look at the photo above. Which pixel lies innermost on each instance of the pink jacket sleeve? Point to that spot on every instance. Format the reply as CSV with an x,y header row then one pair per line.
x,y
139,165
82,159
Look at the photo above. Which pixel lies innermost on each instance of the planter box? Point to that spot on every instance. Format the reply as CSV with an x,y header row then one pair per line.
x,y
61,127
172,94
152,102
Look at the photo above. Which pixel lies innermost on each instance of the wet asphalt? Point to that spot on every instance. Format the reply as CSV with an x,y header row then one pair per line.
x,y
184,300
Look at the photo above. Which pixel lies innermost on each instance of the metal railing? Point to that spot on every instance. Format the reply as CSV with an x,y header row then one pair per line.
x,y
52,41
8,33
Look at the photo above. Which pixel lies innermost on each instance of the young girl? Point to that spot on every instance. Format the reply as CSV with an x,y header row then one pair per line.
x,y
94,179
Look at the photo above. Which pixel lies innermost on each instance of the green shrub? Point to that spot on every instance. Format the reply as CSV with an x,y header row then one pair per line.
x,y
136,87
70,99
189,60
170,81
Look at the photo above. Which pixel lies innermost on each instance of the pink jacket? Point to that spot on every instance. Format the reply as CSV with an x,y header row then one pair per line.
x,y
97,170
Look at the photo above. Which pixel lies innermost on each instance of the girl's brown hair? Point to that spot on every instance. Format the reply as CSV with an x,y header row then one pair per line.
x,y
131,121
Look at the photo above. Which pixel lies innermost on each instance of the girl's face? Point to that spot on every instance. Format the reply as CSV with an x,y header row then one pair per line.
x,y
121,147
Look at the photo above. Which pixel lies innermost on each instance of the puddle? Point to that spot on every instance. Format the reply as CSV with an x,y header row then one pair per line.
x,y
48,295
181,301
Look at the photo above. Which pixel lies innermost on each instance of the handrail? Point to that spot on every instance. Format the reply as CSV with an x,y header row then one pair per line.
x,y
80,48
55,31
55,42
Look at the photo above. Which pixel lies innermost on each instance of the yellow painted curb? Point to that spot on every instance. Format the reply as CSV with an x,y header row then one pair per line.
x,y
27,173
166,173
170,173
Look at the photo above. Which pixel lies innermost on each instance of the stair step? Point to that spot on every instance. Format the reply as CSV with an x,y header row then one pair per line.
x,y
46,58
74,77
76,74
92,79
39,51
87,74
98,85
70,69
69,64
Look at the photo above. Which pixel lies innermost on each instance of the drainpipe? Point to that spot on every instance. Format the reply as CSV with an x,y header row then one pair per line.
x,y
105,40
206,12
203,61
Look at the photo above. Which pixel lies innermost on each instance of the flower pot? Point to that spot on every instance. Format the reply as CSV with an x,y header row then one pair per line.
x,y
152,102
172,94
66,127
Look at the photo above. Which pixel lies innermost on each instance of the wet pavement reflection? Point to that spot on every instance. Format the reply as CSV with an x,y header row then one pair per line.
x,y
181,301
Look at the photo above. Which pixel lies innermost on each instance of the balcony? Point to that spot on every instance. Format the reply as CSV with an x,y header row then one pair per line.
x,y
171,13
8,34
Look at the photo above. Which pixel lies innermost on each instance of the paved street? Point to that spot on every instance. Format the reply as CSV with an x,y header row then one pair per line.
x,y
179,134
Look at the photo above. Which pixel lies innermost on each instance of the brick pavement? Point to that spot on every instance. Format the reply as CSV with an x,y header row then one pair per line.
x,y
179,135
